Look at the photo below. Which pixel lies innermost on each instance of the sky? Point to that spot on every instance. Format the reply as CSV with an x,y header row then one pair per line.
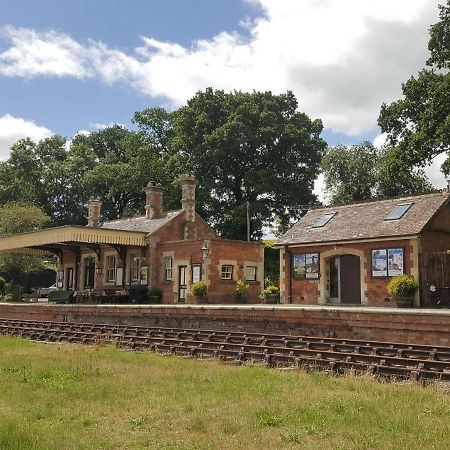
x,y
68,66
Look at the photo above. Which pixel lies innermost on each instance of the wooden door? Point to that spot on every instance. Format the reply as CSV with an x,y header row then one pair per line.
x,y
182,283
350,279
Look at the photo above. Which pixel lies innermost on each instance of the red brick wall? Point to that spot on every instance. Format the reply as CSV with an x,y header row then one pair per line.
x,y
429,328
375,289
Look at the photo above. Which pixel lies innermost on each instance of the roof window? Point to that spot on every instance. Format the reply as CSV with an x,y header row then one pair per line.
x,y
324,220
398,211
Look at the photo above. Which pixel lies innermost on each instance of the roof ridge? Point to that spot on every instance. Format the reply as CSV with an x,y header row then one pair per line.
x,y
380,199
142,216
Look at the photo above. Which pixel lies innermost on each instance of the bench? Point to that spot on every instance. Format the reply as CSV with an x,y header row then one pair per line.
x,y
61,296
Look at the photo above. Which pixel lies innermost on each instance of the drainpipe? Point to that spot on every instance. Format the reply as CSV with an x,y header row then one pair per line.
x,y
289,274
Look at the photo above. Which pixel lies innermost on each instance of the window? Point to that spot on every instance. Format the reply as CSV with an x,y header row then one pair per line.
x,y
135,268
110,269
398,212
250,273
89,272
227,272
69,277
168,267
196,273
324,220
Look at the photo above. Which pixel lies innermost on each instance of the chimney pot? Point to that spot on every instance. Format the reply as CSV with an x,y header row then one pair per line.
x,y
154,195
94,206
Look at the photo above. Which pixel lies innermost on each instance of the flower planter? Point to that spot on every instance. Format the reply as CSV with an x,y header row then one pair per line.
x,y
240,299
272,299
201,300
404,302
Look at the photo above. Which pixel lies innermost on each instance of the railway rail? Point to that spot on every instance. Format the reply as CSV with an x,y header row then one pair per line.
x,y
420,362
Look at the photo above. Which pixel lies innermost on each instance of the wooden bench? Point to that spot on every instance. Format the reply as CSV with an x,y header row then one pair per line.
x,y
61,297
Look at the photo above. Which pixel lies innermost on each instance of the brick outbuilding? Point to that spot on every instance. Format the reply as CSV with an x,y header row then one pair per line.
x,y
170,250
347,254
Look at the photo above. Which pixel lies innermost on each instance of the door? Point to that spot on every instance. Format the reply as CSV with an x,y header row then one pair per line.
x,y
89,273
350,280
334,286
182,283
69,278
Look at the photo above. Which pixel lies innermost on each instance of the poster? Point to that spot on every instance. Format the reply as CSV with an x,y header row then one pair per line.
x,y
196,273
312,265
379,263
299,269
119,276
395,261
60,279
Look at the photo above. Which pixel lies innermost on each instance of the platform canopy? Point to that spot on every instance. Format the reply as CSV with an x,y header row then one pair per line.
x,y
51,239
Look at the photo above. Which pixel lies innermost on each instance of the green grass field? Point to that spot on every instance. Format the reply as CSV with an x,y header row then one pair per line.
x,y
72,397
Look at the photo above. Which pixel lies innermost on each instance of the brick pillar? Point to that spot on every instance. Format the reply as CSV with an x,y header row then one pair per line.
x,y
188,184
94,206
154,197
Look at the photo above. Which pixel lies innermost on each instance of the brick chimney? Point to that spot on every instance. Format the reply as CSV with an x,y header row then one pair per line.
x,y
94,205
188,184
153,204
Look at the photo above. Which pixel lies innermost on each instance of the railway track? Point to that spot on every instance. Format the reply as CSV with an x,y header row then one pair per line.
x,y
388,359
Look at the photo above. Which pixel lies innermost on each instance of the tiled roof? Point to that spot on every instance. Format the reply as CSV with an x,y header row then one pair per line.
x,y
365,220
140,223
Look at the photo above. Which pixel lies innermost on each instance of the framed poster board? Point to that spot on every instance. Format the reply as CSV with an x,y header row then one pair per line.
x,y
395,261
312,265
144,275
60,279
299,266
119,276
379,263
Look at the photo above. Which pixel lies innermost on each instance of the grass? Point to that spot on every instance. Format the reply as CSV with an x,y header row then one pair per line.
x,y
72,397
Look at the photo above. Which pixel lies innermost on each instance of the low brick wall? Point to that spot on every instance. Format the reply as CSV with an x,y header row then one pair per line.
x,y
430,327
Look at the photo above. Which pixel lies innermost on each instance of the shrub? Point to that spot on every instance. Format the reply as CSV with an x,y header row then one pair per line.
x,y
155,292
402,286
270,290
200,289
241,287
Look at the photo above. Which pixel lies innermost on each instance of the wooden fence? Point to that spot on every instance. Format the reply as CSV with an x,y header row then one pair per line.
x,y
434,270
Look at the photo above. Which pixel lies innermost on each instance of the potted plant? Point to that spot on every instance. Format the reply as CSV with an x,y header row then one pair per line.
x,y
271,295
241,291
200,290
403,288
155,295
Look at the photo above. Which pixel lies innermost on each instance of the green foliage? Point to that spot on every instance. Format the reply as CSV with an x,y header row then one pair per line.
x,y
402,286
241,287
270,290
362,172
200,288
249,151
155,292
2,284
419,123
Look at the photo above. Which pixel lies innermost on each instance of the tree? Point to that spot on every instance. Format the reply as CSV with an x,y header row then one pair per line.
x,y
361,172
419,123
249,151
20,218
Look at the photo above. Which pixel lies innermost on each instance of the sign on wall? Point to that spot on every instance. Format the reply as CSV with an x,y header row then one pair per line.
x,y
388,262
144,275
60,279
119,276
305,265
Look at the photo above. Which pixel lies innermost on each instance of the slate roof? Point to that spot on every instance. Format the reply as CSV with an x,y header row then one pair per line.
x,y
140,223
365,220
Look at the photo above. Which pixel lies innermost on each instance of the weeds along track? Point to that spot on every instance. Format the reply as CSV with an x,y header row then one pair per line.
x,y
388,359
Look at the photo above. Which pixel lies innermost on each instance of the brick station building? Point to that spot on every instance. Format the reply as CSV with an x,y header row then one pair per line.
x,y
169,250
347,254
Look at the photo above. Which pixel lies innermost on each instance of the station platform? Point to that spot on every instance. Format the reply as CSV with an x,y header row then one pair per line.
x,y
411,325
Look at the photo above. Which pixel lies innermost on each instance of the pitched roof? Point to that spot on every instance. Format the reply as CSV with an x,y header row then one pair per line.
x,y
140,223
365,220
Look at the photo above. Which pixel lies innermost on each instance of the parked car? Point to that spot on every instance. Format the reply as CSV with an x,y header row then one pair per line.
x,y
43,292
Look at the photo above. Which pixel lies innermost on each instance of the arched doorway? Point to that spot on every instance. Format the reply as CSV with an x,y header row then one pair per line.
x,y
344,281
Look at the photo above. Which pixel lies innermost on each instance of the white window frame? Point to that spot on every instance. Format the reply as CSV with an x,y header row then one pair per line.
x,y
110,270
168,268
254,273
226,274
135,270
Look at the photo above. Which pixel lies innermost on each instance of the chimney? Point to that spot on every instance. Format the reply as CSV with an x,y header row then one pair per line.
x,y
94,205
188,184
153,204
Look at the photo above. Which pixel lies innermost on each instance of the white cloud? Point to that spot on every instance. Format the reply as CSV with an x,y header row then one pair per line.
x,y
342,59
433,171
102,126
14,128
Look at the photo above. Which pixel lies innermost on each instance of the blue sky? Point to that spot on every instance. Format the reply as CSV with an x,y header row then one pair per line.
x,y
68,65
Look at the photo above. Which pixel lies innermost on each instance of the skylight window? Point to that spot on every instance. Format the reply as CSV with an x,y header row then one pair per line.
x,y
324,220
398,211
